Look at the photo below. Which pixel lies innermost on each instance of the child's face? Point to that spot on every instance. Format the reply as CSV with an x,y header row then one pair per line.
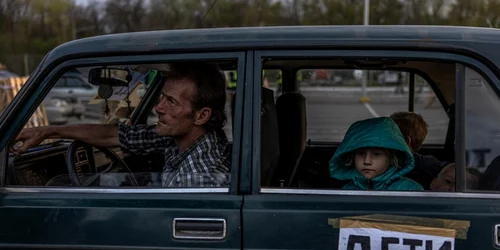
x,y
371,162
445,181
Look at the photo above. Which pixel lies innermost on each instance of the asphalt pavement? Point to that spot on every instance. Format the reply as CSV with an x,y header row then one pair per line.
x,y
330,113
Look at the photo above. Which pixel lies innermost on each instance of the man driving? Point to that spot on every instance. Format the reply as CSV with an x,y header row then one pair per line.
x,y
189,131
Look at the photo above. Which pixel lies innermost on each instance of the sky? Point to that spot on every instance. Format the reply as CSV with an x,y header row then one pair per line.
x,y
82,2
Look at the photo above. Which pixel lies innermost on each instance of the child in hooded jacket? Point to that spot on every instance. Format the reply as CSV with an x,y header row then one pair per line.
x,y
374,156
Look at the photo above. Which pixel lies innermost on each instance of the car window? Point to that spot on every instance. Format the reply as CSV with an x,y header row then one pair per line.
x,y
67,104
141,160
482,133
316,125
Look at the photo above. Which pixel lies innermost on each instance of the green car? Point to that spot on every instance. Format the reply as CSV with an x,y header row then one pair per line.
x,y
66,194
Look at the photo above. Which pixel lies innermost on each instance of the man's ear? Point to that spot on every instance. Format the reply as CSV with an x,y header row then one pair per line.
x,y
202,116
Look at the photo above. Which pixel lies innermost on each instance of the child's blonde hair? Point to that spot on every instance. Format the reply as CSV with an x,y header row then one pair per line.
x,y
395,158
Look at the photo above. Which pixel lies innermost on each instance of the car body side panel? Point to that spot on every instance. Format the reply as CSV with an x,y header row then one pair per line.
x,y
301,221
113,220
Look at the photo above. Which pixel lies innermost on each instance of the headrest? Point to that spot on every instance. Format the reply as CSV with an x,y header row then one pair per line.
x,y
292,118
292,124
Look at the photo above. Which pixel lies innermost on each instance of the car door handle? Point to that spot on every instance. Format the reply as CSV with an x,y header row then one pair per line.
x,y
496,234
199,228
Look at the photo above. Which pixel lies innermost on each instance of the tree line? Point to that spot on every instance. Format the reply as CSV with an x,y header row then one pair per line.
x,y
34,27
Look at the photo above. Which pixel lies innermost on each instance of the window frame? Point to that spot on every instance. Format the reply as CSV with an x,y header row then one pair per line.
x,y
37,88
458,59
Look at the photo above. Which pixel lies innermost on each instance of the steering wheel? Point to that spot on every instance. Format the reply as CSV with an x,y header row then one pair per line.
x,y
117,165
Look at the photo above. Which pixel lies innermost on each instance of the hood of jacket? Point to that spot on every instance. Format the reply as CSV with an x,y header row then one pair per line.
x,y
380,132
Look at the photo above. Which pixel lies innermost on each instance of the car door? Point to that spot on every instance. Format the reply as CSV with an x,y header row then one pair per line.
x,y
307,217
116,218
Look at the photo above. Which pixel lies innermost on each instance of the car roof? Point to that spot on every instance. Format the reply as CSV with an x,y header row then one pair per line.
x,y
482,41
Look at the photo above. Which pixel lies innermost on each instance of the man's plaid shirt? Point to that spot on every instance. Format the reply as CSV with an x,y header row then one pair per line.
x,y
205,163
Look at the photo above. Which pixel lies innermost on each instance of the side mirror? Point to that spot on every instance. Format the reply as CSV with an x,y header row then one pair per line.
x,y
109,76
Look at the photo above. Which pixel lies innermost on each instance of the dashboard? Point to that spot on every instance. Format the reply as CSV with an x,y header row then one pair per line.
x,y
39,165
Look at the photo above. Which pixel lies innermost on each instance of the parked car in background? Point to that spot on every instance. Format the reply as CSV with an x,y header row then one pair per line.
x,y
57,111
389,78
75,89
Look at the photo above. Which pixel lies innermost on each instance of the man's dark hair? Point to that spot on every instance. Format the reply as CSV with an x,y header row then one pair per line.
x,y
210,84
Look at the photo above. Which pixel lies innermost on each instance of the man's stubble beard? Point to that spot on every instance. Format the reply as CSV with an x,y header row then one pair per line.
x,y
172,134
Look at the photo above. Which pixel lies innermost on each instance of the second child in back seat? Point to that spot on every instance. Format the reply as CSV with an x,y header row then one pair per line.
x,y
414,130
374,156
445,180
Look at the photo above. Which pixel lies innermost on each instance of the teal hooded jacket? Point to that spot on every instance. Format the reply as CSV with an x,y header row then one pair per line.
x,y
379,132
